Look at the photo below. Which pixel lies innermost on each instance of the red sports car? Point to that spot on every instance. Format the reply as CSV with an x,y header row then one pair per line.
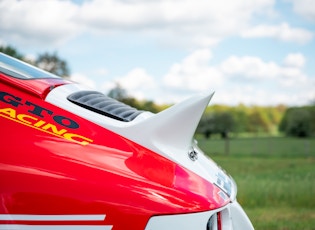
x,y
73,158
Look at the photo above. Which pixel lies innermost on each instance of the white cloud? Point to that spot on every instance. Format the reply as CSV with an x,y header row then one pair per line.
x,y
3,43
185,23
196,23
294,60
237,79
283,32
249,68
37,22
305,8
137,78
193,73
183,15
256,70
201,23
246,79
102,72
261,96
84,80
136,82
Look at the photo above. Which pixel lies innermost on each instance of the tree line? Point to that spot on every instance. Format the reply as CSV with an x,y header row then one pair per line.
x,y
121,94
50,62
220,120
299,121
225,120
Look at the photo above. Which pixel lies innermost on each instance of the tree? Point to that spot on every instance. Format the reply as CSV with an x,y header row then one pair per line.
x,y
150,106
11,51
218,122
53,64
240,118
49,62
297,122
120,94
206,126
224,123
257,121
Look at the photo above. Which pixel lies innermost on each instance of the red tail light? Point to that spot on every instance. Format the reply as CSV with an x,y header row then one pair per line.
x,y
219,224
214,223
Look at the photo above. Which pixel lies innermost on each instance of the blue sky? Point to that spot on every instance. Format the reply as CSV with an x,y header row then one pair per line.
x,y
247,51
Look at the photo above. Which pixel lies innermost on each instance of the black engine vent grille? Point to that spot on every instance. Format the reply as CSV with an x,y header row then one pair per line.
x,y
100,103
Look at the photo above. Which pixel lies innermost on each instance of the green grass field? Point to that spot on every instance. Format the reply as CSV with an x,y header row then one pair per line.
x,y
275,178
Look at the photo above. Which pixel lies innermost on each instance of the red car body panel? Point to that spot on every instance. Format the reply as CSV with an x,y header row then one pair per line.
x,y
54,162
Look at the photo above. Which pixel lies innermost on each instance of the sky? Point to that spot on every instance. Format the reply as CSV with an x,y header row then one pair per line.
x,y
254,52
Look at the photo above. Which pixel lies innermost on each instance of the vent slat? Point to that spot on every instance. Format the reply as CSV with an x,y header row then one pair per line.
x,y
102,104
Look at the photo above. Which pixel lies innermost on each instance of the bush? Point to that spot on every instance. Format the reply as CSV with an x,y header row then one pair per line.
x,y
219,122
297,122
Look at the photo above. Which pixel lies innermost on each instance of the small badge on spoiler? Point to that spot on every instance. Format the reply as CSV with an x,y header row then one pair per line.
x,y
193,155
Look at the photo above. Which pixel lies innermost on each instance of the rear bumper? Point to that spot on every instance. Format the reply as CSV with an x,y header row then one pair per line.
x,y
232,217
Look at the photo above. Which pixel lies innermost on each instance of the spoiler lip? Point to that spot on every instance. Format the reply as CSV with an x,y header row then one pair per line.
x,y
170,130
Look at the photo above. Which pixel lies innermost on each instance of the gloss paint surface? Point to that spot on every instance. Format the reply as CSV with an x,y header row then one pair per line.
x,y
43,173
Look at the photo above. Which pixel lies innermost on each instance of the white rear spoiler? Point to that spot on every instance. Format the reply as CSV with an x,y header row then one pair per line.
x,y
171,130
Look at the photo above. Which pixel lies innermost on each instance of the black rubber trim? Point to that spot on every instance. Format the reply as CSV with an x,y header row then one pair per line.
x,y
102,104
